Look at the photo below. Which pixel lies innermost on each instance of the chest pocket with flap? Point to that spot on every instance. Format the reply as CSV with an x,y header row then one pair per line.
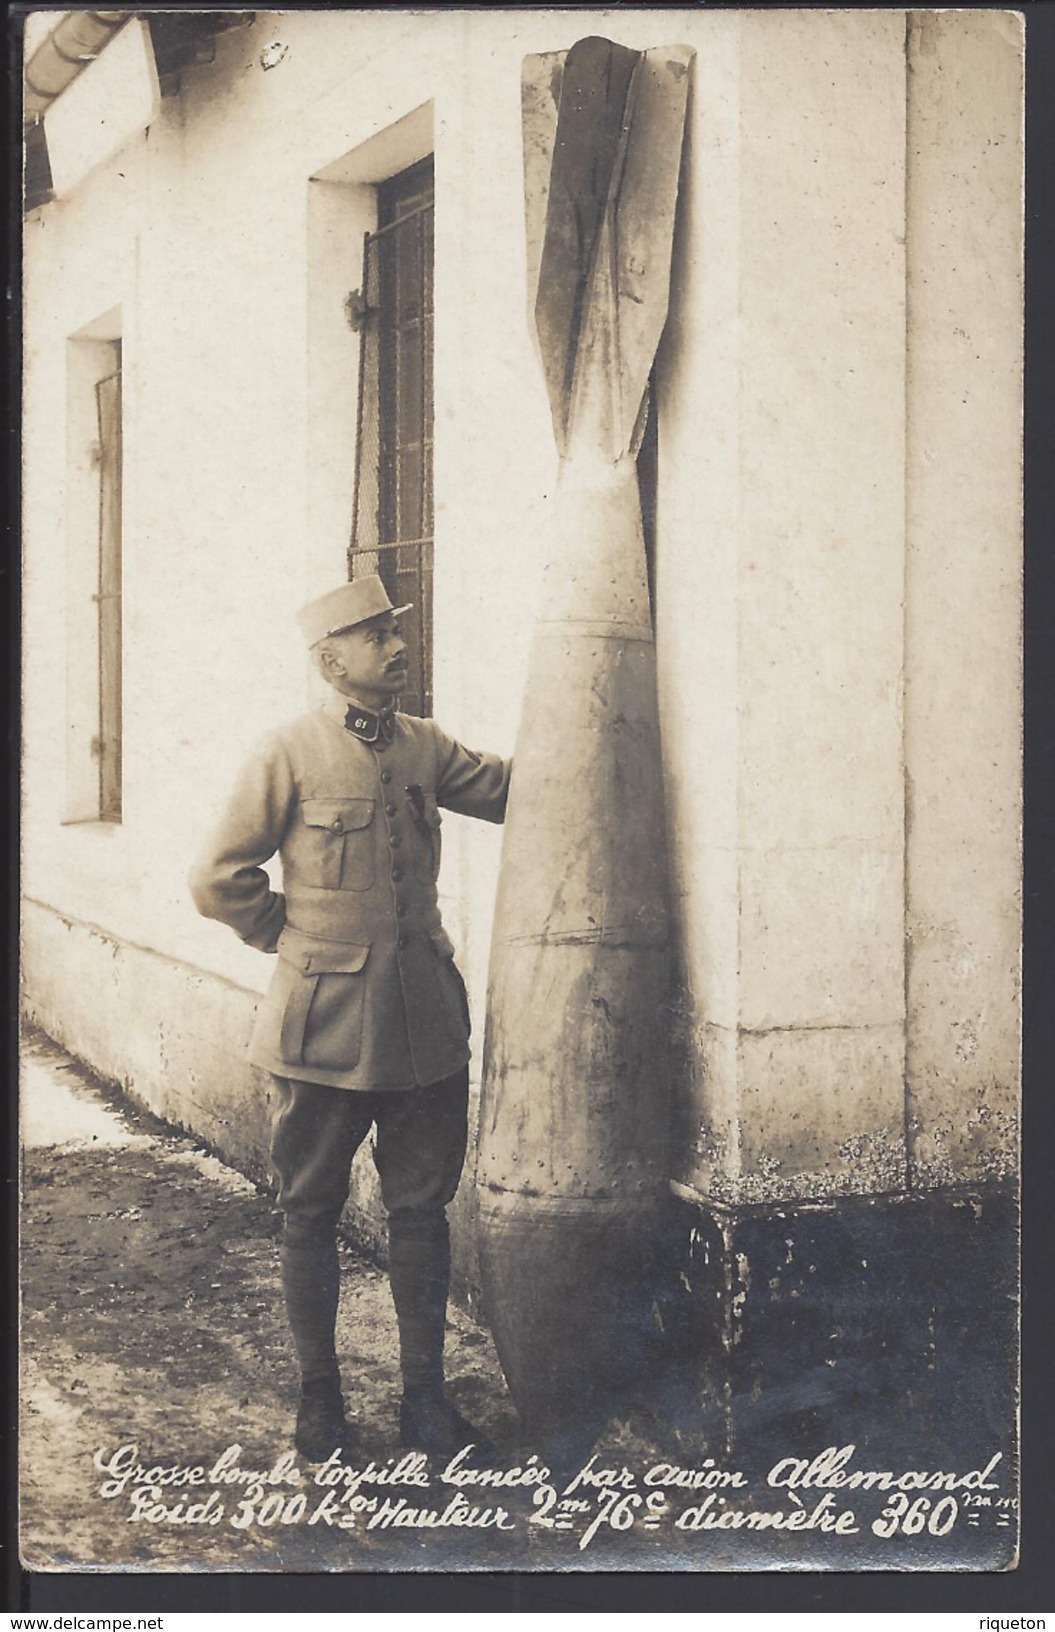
x,y
340,843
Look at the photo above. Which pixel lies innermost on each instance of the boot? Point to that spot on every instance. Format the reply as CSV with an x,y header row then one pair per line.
x,y
322,1427
419,1269
429,1422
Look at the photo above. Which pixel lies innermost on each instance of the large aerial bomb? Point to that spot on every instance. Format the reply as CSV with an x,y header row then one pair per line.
x,y
573,1121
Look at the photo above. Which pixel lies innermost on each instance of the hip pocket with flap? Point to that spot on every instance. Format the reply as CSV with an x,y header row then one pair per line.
x,y
340,840
322,1022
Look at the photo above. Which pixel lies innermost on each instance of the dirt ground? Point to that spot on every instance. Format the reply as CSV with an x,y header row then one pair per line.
x,y
153,1332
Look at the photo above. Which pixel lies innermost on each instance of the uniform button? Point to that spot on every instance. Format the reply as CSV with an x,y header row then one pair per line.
x,y
390,810
403,942
397,874
395,841
401,911
386,776
337,824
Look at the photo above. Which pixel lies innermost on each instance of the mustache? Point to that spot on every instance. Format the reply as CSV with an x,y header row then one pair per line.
x,y
397,665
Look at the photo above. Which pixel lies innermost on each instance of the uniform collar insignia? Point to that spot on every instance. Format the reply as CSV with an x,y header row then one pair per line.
x,y
370,727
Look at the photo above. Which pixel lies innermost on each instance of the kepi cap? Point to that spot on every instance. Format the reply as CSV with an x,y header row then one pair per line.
x,y
342,608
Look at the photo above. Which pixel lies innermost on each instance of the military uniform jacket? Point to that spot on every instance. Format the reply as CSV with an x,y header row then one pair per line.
x,y
365,993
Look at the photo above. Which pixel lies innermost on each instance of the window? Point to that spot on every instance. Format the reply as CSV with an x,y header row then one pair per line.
x,y
93,503
108,595
393,511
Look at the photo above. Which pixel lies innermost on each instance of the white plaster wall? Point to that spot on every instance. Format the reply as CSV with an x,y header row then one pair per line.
x,y
963,700
698,527
782,544
838,596
780,588
821,406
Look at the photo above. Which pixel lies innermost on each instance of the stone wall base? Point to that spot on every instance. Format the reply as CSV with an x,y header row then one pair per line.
x,y
887,1323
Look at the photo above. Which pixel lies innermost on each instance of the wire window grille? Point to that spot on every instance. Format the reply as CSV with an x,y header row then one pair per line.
x,y
392,527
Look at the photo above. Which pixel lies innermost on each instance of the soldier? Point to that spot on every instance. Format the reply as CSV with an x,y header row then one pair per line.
x,y
366,1019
